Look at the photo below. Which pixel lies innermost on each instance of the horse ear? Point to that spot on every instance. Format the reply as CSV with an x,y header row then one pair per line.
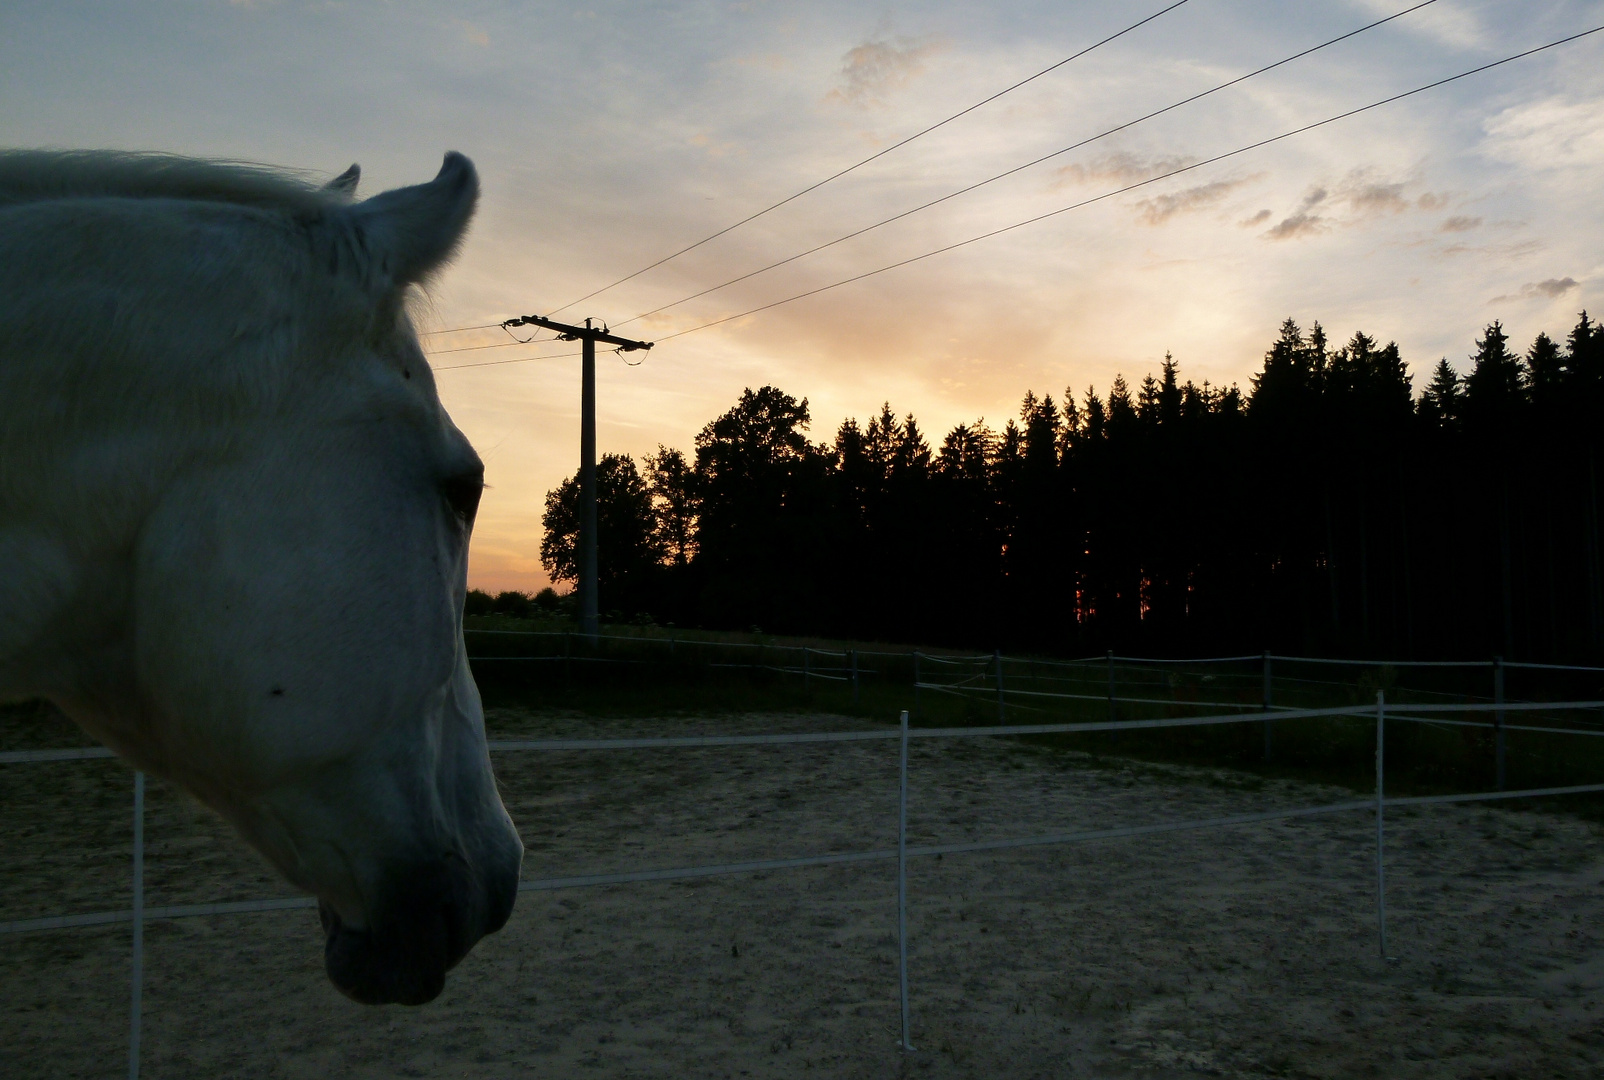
x,y
409,233
345,183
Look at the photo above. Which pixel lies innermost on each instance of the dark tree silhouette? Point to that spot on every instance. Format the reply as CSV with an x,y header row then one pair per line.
x,y
1326,511
629,548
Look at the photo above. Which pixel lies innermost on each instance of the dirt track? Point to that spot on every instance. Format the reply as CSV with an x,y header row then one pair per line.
x,y
1247,951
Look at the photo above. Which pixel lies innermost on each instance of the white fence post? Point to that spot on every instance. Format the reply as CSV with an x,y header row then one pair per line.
x,y
997,658
138,977
1381,872
1498,718
1267,721
902,881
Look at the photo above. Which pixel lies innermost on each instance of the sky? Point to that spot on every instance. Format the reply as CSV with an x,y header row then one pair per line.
x,y
608,136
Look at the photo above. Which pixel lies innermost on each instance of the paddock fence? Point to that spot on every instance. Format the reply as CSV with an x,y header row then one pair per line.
x,y
1265,690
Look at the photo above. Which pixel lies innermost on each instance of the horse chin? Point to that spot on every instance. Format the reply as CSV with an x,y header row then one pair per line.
x,y
402,957
398,965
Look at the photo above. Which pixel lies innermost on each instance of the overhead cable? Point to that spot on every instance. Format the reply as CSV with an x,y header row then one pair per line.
x,y
1020,168
1139,184
514,360
872,157
459,329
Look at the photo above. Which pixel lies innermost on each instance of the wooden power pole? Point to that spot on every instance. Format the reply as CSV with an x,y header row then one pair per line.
x,y
587,335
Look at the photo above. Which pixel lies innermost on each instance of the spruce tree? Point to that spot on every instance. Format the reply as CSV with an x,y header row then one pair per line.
x,y
1546,365
1443,400
1497,381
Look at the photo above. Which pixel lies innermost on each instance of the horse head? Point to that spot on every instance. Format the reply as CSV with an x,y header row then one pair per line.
x,y
234,524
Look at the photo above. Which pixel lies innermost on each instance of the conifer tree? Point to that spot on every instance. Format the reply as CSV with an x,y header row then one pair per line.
x,y
1547,370
1584,352
1147,401
1096,426
1443,400
1497,382
1121,410
1169,392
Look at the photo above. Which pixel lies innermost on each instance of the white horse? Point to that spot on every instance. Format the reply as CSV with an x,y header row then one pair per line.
x,y
234,524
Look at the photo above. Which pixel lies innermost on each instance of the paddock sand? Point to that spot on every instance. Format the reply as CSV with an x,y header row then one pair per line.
x,y
1243,952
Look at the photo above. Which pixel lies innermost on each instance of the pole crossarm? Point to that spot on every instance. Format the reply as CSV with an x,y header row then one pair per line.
x,y
567,332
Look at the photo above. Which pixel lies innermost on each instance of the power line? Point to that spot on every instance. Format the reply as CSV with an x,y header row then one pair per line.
x,y
494,345
871,157
1140,183
459,329
527,359
1020,168
514,360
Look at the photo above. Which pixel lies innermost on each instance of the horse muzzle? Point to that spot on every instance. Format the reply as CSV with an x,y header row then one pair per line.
x,y
432,917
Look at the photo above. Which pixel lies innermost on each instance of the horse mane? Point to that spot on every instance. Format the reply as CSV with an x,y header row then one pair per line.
x,y
40,175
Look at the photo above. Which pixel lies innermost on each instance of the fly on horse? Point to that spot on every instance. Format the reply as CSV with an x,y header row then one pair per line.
x,y
234,523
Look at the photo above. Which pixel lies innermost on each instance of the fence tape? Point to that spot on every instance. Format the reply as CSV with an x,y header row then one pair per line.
x,y
177,911
1494,706
1133,725
1485,726
13,757
1382,663
1199,660
666,742
685,872
1104,697
684,741
682,873
1552,667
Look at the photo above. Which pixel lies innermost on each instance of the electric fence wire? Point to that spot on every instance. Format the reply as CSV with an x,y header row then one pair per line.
x,y
1029,164
1134,186
872,157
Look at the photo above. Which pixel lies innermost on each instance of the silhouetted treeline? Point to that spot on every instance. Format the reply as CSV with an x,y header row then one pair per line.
x,y
1330,510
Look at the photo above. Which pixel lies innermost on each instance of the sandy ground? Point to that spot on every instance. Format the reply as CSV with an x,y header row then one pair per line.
x,y
1244,952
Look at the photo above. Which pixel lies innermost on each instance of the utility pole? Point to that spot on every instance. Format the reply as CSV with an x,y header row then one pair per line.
x,y
587,335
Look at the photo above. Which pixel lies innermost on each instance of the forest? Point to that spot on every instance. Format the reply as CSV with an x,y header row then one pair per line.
x,y
1329,509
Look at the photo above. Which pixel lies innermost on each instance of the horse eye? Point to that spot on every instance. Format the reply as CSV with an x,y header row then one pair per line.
x,y
462,493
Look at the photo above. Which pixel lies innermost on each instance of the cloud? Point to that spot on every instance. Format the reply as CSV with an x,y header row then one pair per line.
x,y
1457,29
472,34
1550,134
1121,167
1460,224
1360,194
1302,222
1257,219
1376,198
1160,208
1551,289
869,72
